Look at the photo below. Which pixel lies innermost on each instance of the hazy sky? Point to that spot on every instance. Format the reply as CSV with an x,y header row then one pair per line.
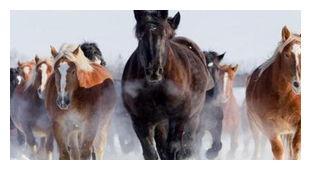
x,y
247,37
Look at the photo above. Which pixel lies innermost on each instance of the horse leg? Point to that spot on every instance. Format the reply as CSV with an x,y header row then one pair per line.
x,y
61,141
234,144
181,137
88,137
20,137
277,147
100,141
30,139
296,143
215,131
145,135
160,137
49,146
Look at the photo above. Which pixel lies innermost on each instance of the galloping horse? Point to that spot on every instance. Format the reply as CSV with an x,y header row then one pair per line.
x,y
212,116
27,108
273,97
231,110
163,88
80,98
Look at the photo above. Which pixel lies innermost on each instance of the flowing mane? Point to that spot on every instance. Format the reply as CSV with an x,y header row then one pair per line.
x,y
82,63
279,49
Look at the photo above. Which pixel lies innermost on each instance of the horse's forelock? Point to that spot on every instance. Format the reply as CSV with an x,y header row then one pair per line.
x,y
81,62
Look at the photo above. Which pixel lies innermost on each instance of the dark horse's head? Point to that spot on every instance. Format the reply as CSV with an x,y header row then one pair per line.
x,y
153,30
213,60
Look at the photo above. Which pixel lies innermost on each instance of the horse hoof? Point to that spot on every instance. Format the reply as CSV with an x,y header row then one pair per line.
x,y
211,154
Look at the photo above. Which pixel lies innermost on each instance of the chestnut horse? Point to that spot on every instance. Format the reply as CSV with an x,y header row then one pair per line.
x,y
80,98
27,108
163,88
273,97
231,110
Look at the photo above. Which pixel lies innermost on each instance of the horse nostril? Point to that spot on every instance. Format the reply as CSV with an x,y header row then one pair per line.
x,y
39,91
160,70
296,84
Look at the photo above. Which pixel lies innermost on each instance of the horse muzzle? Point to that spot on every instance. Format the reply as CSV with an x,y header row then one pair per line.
x,y
63,102
154,77
296,87
40,93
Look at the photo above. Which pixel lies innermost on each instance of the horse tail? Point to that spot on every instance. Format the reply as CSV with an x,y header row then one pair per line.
x,y
287,140
92,52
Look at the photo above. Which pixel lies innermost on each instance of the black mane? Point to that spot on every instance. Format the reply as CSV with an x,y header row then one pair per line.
x,y
91,51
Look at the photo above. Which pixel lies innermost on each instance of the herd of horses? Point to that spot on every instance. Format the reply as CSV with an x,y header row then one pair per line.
x,y
172,90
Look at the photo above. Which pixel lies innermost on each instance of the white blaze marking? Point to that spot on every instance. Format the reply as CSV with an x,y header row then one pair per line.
x,y
225,83
210,64
63,67
296,49
26,70
19,79
44,76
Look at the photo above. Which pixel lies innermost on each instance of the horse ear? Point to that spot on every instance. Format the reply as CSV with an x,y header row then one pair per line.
x,y
235,68
174,22
285,33
163,14
138,14
76,51
37,59
19,63
53,51
221,56
88,79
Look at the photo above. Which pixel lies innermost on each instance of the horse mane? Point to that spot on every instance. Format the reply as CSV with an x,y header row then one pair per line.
x,y
80,61
278,50
89,74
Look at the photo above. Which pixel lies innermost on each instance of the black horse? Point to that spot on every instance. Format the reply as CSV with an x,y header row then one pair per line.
x,y
212,115
163,88
92,52
15,80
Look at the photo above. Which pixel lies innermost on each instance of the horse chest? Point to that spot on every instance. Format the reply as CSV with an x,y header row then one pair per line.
x,y
159,103
72,120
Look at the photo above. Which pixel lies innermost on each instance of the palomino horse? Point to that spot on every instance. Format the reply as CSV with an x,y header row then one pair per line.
x,y
273,97
80,98
163,88
27,108
231,110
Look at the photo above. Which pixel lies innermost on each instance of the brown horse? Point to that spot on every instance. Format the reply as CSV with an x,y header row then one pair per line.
x,y
273,97
27,108
163,88
231,110
80,98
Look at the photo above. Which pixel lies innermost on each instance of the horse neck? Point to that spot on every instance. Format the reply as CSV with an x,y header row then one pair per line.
x,y
276,76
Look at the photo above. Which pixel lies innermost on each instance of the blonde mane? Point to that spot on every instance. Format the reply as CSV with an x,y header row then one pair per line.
x,y
278,50
81,62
